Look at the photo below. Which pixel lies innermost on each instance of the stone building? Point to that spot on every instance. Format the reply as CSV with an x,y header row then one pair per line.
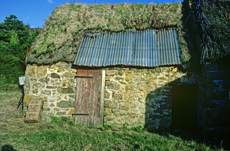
x,y
214,75
100,68
132,94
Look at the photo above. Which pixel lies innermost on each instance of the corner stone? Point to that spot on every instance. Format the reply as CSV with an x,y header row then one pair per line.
x,y
65,90
111,72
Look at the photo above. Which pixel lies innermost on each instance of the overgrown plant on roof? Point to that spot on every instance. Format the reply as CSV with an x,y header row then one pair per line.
x,y
214,23
84,18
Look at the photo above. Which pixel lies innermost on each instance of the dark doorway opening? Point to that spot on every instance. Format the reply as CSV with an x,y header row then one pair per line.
x,y
184,107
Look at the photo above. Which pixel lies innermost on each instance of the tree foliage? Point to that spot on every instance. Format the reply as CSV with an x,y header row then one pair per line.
x,y
15,39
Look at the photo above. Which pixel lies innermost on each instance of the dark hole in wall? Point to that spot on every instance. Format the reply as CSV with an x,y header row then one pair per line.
x,y
184,107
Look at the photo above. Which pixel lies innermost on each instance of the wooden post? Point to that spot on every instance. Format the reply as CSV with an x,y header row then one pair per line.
x,y
102,98
21,99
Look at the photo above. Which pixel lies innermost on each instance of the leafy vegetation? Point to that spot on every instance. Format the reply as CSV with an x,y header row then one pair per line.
x,y
15,40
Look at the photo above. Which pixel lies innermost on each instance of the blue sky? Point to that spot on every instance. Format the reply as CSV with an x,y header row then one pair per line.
x,y
34,12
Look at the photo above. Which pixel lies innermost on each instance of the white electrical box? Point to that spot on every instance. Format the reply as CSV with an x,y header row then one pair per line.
x,y
22,80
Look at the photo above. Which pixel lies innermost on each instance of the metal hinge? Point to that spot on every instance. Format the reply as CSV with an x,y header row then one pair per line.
x,y
83,77
79,114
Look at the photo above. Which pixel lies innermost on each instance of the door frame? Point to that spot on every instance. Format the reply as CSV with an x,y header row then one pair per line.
x,y
101,116
101,103
196,87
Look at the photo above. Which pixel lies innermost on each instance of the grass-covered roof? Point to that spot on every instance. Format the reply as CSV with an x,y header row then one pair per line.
x,y
63,30
214,24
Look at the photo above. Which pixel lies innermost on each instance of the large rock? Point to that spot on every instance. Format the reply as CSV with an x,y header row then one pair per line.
x,y
124,106
112,85
46,118
120,73
72,96
55,75
65,90
110,104
66,104
27,85
65,83
117,97
107,94
68,75
111,72
46,92
43,80
31,71
42,71
61,113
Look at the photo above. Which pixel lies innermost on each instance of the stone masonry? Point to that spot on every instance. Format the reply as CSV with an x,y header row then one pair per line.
x,y
56,85
132,97
214,105
141,97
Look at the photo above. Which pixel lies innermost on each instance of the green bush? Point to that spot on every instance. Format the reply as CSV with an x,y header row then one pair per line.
x,y
15,40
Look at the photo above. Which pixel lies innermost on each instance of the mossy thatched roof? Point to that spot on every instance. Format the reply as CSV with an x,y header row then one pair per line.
x,y
63,30
214,22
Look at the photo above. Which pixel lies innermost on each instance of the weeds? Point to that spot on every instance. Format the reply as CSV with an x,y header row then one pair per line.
x,y
111,17
107,127
63,137
66,135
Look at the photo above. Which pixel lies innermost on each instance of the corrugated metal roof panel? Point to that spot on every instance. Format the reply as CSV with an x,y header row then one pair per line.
x,y
148,48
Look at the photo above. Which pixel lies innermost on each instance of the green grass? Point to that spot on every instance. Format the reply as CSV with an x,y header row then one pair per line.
x,y
59,135
65,135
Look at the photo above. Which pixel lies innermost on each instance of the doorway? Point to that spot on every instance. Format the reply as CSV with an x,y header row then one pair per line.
x,y
184,107
88,106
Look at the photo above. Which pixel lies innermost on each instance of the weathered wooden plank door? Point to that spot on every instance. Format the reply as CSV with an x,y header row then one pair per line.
x,y
88,98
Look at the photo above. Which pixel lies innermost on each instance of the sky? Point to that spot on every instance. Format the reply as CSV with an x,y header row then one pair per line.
x,y
35,12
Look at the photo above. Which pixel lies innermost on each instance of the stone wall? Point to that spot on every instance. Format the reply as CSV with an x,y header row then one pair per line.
x,y
133,97
214,104
141,97
56,85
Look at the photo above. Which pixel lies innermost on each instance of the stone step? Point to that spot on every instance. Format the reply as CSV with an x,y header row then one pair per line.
x,y
32,117
34,111
36,101
35,108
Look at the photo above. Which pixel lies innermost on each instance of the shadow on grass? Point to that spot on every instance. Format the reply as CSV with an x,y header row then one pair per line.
x,y
8,147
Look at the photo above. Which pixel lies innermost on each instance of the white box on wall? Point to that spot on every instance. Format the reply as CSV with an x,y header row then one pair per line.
x,y
22,80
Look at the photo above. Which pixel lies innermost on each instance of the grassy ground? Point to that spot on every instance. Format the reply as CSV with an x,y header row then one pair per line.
x,y
58,135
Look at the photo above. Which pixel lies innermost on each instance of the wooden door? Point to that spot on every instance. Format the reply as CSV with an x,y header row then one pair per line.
x,y
88,98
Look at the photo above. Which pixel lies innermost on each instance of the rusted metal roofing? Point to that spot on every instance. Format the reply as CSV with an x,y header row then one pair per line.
x,y
148,48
